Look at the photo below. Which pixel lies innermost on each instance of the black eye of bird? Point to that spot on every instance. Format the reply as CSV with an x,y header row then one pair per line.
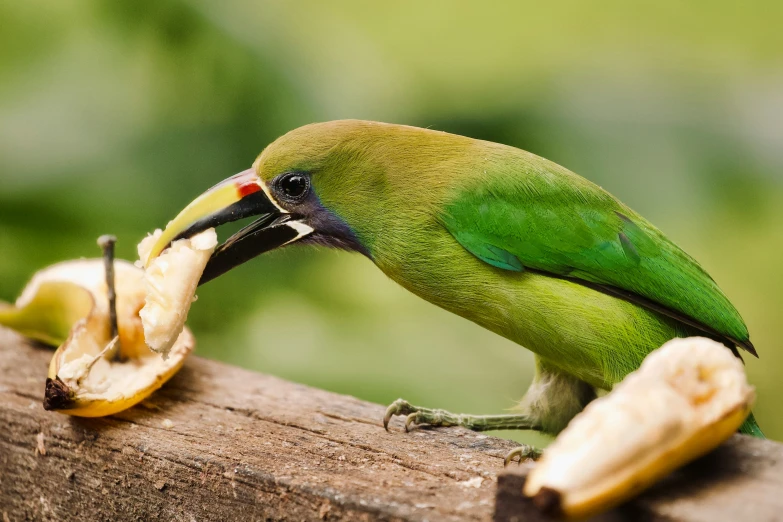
x,y
294,186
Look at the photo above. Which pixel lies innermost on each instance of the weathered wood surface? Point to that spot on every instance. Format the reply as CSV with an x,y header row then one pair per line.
x,y
243,446
741,481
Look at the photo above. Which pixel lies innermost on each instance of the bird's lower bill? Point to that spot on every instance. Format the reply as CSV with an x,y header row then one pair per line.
x,y
240,196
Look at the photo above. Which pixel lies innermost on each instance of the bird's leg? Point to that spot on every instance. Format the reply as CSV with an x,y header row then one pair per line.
x,y
552,400
417,415
436,417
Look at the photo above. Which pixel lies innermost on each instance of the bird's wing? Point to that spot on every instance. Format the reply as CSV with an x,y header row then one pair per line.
x,y
558,223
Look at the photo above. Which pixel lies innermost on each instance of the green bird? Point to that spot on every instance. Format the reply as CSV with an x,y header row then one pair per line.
x,y
497,235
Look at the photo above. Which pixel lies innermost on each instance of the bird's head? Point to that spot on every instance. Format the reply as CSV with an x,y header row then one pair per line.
x,y
326,183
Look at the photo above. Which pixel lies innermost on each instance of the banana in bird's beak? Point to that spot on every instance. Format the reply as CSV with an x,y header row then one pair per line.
x,y
240,196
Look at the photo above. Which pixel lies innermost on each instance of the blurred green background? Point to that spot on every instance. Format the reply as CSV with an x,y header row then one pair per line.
x,y
115,114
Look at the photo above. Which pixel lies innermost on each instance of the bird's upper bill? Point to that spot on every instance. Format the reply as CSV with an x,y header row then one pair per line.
x,y
240,196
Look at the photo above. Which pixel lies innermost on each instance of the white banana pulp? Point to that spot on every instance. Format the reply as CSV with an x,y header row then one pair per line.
x,y
67,304
171,281
685,399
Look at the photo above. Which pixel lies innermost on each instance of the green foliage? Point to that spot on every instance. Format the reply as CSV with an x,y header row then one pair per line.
x,y
114,115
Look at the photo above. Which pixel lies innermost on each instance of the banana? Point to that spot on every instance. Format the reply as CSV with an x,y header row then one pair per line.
x,y
47,310
687,397
171,280
67,305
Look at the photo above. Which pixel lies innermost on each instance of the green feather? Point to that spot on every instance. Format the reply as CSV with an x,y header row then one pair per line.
x,y
563,225
490,254
751,427
510,241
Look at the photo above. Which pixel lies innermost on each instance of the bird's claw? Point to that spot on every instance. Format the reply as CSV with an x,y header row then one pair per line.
x,y
399,407
522,453
412,418
418,415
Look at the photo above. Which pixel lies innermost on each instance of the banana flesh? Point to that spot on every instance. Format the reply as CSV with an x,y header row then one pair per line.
x,y
171,280
67,305
687,397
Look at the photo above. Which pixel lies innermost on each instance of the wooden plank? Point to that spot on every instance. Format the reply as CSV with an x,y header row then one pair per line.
x,y
741,481
243,446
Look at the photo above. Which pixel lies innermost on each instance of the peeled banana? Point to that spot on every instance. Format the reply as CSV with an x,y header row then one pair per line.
x,y
171,280
685,399
66,304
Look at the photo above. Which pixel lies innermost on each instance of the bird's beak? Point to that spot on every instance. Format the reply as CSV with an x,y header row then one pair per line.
x,y
237,197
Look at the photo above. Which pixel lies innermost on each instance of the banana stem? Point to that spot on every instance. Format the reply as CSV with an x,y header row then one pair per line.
x,y
106,242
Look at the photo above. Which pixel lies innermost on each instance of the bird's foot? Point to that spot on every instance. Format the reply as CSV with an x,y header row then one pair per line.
x,y
416,415
522,453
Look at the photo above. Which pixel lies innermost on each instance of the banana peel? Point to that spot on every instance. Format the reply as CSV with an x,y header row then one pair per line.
x,y
48,313
67,305
687,397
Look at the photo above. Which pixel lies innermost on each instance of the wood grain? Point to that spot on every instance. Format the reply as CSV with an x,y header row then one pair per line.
x,y
240,446
221,443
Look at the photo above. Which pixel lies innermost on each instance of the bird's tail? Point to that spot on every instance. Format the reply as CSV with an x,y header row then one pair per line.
x,y
751,427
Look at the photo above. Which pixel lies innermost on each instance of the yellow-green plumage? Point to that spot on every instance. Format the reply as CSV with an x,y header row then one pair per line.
x,y
513,242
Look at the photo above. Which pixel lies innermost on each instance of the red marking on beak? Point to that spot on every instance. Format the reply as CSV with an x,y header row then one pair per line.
x,y
246,183
245,188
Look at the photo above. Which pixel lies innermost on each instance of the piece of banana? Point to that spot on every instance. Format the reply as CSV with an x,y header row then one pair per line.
x,y
49,305
685,399
171,280
67,305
